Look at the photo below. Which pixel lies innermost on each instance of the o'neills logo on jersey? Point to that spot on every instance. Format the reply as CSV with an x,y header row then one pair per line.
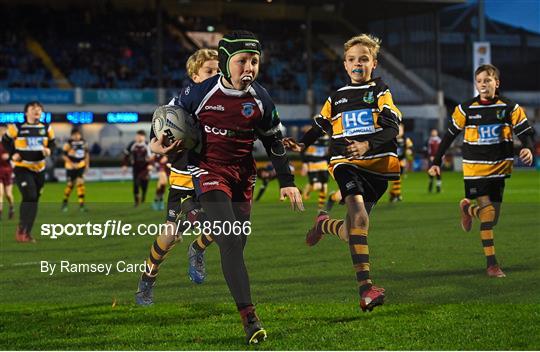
x,y
214,107
474,117
341,101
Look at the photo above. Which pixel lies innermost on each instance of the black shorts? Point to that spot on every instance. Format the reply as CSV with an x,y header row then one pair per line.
x,y
174,200
352,181
73,174
492,187
318,176
30,183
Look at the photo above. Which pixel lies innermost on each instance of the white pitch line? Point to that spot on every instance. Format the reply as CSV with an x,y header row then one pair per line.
x,y
20,264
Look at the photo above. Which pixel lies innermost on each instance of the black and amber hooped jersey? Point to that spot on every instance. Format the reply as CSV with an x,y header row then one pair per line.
x,y
359,112
316,155
404,147
180,177
76,152
487,142
29,140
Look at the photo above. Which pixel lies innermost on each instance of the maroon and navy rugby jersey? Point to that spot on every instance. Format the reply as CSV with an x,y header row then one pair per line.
x,y
229,119
433,145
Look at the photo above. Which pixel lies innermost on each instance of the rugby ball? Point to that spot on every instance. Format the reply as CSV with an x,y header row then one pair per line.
x,y
176,124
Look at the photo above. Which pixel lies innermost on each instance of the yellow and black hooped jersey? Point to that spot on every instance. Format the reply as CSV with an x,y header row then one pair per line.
x,y
29,140
180,178
76,152
487,142
316,155
361,112
404,147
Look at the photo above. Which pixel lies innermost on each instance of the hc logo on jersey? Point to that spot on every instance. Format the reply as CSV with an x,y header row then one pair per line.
x,y
319,151
488,134
248,109
316,151
357,122
34,143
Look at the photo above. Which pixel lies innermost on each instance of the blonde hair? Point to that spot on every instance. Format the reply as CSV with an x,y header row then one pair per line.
x,y
198,58
490,69
369,41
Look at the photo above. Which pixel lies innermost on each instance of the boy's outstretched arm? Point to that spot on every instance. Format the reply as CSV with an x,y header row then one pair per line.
x,y
314,133
525,133
527,140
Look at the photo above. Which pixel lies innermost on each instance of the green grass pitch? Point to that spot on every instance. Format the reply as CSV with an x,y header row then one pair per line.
x,y
438,296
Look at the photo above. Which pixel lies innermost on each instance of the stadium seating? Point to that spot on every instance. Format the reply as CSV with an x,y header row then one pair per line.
x,y
116,50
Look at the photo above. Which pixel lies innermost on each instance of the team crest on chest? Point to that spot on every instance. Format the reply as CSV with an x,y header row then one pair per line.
x,y
501,114
368,97
248,109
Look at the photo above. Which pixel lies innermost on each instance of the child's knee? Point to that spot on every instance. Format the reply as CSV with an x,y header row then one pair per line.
x,y
232,246
487,215
360,219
